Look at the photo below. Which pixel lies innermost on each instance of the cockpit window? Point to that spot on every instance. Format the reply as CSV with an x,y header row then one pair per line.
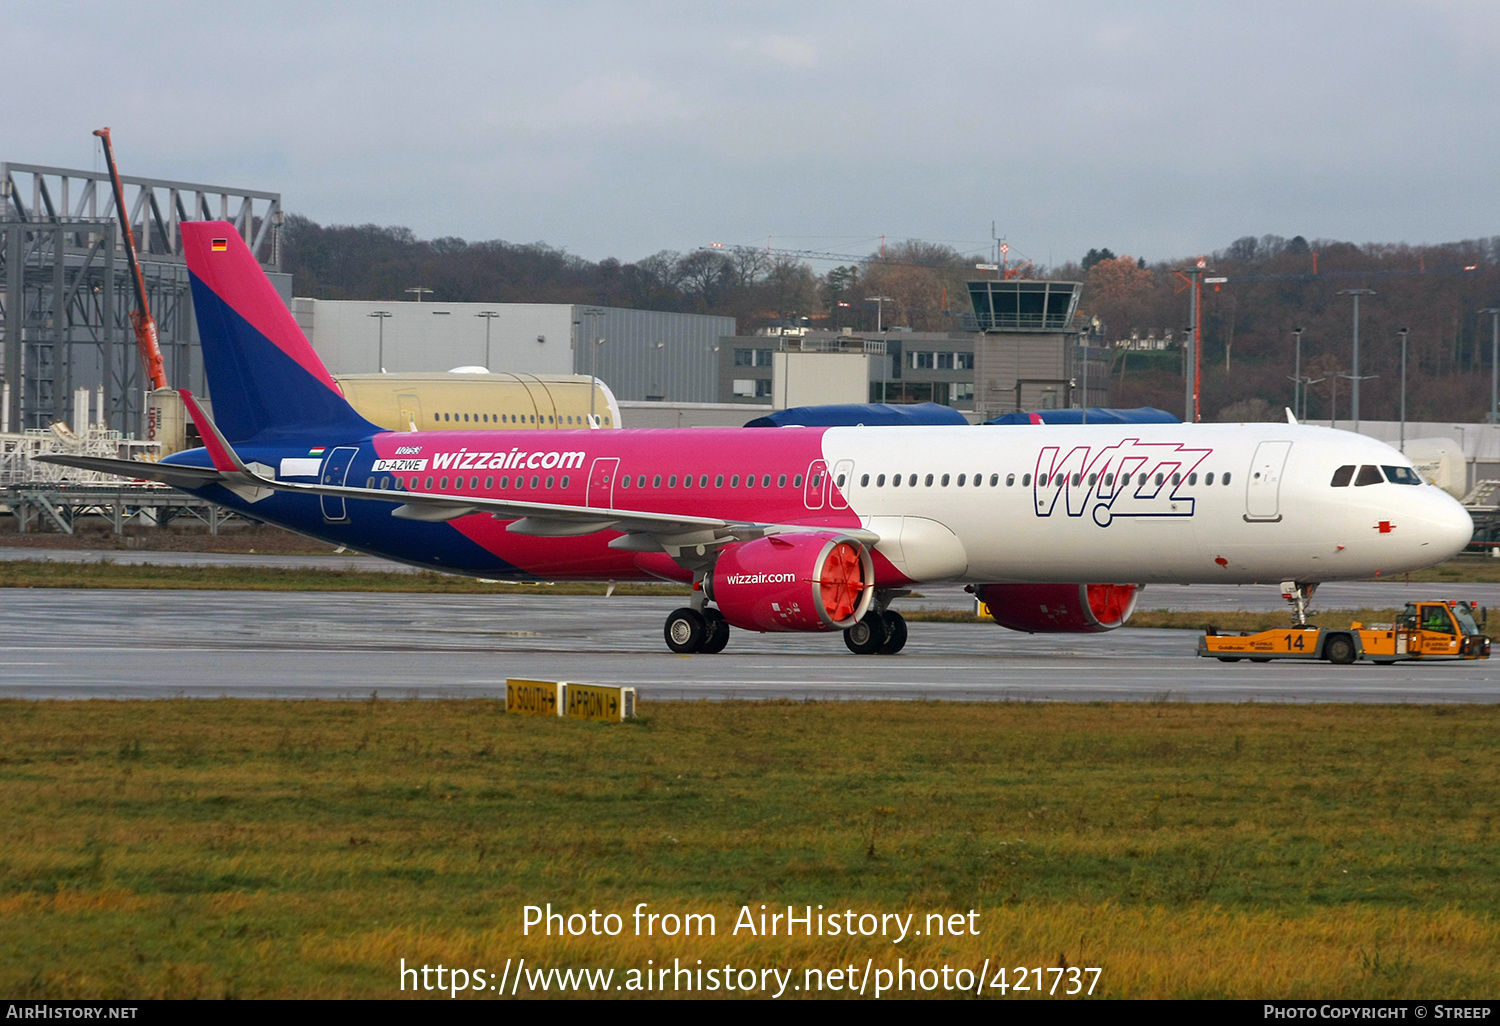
x,y
1401,475
1342,476
1368,475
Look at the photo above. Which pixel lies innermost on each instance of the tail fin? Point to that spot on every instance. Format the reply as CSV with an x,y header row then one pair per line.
x,y
263,376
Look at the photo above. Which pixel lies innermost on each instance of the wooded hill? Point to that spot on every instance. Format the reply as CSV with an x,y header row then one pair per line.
x,y
1274,285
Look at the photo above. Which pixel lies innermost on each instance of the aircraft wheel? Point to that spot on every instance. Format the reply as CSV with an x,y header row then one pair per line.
x,y
686,630
1229,659
1339,649
1259,659
895,633
717,634
864,637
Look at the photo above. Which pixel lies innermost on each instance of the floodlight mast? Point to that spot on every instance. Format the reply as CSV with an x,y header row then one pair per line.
x,y
147,339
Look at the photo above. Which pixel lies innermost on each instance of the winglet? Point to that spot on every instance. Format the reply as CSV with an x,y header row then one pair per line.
x,y
1290,417
220,451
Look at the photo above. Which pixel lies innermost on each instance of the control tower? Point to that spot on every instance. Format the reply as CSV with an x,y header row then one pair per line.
x,y
1032,354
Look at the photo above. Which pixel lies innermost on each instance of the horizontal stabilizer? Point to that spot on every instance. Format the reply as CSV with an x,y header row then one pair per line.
x,y
137,470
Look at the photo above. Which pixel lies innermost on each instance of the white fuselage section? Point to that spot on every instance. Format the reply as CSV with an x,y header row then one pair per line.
x,y
1147,503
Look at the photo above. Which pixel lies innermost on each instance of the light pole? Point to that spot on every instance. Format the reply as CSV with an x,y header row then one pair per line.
x,y
879,302
1494,312
489,316
1403,333
419,290
1354,370
380,316
592,314
1297,373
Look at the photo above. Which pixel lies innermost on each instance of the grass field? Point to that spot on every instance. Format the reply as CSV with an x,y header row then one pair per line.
x,y
229,848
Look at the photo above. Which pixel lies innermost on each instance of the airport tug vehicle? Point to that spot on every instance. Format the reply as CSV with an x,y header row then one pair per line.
x,y
1425,630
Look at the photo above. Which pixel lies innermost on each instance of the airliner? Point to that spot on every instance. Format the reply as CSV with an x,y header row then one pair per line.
x,y
1055,528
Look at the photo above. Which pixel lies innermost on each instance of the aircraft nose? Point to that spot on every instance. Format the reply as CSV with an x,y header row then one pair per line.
x,y
1450,526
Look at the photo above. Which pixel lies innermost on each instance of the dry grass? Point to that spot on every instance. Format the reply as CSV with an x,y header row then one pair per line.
x,y
237,848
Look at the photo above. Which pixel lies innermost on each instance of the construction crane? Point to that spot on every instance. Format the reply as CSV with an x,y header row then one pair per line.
x,y
146,337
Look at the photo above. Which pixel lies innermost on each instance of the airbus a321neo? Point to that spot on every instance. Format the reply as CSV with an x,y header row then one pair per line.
x,y
1055,528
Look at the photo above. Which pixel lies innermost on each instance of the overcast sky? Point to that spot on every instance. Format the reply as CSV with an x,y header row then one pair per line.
x,y
1156,129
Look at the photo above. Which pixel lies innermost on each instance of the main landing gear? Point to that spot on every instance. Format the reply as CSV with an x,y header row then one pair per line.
x,y
877,634
690,630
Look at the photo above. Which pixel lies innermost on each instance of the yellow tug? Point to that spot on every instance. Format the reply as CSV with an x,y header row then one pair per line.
x,y
1425,630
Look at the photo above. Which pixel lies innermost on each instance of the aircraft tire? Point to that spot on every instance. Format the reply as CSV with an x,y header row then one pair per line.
x,y
685,630
1339,650
1229,659
865,637
895,633
717,635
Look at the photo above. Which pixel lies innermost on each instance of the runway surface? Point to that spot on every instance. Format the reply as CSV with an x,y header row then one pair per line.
x,y
159,644
1206,597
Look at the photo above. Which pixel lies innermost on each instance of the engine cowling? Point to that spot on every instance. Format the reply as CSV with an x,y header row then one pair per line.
x,y
815,581
1060,608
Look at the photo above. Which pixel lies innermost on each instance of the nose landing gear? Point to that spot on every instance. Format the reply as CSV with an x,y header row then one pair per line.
x,y
1299,594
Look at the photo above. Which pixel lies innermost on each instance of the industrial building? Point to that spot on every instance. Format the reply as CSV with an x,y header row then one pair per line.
x,y
642,354
1023,350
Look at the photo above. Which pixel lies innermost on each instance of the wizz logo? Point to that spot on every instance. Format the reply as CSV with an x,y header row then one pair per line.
x,y
1131,479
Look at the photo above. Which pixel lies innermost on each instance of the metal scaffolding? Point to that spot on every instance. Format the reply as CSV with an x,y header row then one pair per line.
x,y
65,296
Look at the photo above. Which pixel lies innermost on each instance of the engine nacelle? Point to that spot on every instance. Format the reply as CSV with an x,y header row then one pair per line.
x,y
1060,608
815,581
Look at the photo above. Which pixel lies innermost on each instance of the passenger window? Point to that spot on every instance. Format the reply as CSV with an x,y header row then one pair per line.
x,y
839,481
1025,480
533,480
672,481
505,482
1401,475
443,483
960,481
520,481
1077,480
734,482
781,481
879,481
765,480
911,482
369,482
864,480
719,481
797,481
656,481
1177,479
565,479
1209,479
929,481
702,480
687,480
1342,476
1192,479
625,481
945,481
551,481
749,480
1368,475
895,480
1226,477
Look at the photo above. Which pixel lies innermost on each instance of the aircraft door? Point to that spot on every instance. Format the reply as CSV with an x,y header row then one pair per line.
x,y
336,472
602,475
411,412
1263,483
841,485
816,486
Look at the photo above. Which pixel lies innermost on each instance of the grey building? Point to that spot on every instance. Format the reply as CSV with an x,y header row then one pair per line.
x,y
640,354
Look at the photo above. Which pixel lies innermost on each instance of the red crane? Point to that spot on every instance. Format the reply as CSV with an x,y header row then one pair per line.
x,y
146,338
